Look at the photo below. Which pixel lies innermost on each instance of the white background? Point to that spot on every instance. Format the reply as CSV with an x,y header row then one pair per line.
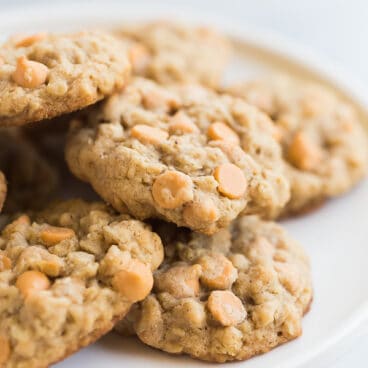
x,y
336,29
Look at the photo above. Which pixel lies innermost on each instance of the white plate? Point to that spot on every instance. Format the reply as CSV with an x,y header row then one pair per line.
x,y
335,236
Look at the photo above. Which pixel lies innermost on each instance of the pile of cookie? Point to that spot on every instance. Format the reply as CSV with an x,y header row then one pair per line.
x,y
176,243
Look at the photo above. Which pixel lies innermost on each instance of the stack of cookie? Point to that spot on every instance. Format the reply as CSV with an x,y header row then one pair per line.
x,y
181,249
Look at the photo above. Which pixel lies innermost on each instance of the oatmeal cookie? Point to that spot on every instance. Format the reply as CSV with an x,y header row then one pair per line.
x,y
3,190
42,75
182,153
67,274
32,180
324,144
236,294
170,52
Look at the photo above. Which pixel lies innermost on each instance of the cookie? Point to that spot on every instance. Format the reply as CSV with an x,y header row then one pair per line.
x,y
67,275
236,294
32,180
324,144
182,153
45,75
3,190
171,52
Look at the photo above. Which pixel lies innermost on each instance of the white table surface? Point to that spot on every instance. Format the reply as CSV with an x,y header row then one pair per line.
x,y
336,29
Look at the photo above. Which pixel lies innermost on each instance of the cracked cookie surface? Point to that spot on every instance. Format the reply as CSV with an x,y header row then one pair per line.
x,y
182,153
67,274
46,75
230,296
324,144
170,52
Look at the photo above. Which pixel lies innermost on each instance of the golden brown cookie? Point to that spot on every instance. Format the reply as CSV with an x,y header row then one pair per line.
x,y
172,52
67,274
182,153
325,147
46,75
230,296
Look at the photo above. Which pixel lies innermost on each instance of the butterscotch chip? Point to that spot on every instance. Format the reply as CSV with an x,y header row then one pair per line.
x,y
174,52
147,150
52,235
225,297
220,131
5,263
180,280
278,134
29,74
181,123
139,57
226,308
65,296
135,281
303,153
324,143
30,282
218,271
21,220
158,100
51,74
147,134
172,189
232,182
201,211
